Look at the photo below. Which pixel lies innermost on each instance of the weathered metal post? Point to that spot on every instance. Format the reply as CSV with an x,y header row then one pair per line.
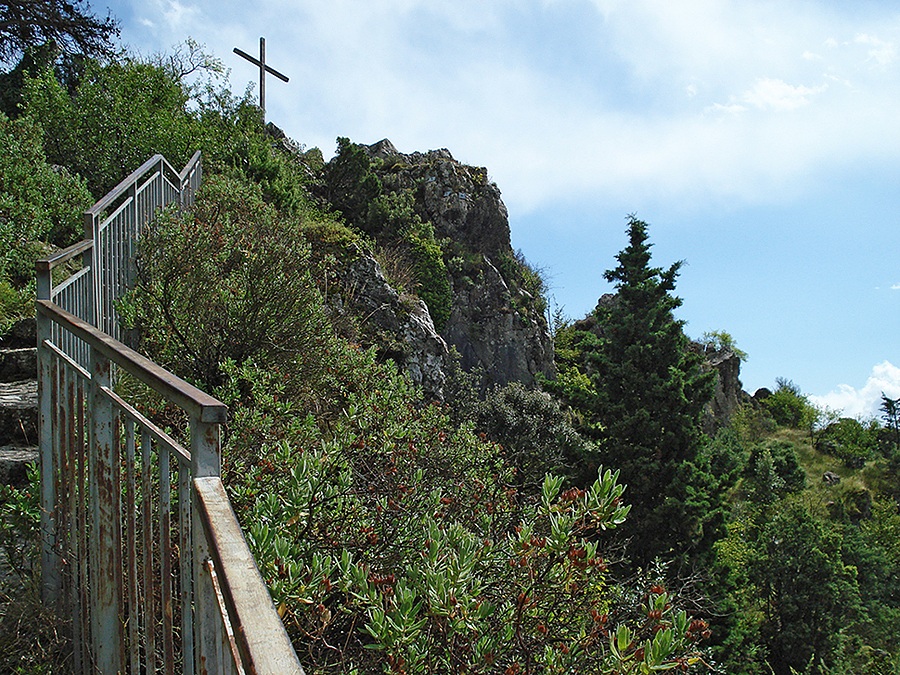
x,y
209,639
106,551
50,559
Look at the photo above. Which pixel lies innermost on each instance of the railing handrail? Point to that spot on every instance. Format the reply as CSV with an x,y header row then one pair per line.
x,y
61,257
267,646
192,400
125,185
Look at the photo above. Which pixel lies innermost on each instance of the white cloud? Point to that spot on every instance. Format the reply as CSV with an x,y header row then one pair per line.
x,y
701,99
895,287
881,53
866,401
179,15
775,94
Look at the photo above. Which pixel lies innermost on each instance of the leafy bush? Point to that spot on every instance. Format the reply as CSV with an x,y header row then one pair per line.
x,y
395,542
848,440
229,280
40,208
789,407
773,471
117,117
719,340
533,432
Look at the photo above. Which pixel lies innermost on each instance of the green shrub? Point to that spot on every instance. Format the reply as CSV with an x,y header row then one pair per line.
x,y
41,208
533,432
789,407
773,471
848,440
117,117
229,280
395,542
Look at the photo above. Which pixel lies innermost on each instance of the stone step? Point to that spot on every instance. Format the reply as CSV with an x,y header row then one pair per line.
x,y
21,335
18,364
14,463
18,413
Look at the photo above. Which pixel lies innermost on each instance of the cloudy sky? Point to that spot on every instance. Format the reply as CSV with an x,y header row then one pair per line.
x,y
760,140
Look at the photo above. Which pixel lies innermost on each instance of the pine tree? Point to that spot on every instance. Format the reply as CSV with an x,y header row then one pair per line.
x,y
644,405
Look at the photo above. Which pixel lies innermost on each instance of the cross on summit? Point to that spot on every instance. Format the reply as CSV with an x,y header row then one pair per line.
x,y
263,69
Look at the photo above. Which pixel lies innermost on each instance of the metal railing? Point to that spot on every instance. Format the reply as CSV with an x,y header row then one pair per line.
x,y
140,546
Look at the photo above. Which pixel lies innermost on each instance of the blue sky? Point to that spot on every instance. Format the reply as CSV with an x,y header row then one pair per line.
x,y
760,140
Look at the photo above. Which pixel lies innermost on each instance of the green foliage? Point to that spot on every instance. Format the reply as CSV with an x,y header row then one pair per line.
x,y
350,184
773,472
234,142
647,393
34,60
393,218
32,638
431,275
810,593
40,209
848,440
20,519
533,432
789,407
229,280
720,340
751,422
118,116
396,542
526,282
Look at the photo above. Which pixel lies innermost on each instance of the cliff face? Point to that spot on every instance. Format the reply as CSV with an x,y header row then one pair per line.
x,y
401,322
495,322
729,393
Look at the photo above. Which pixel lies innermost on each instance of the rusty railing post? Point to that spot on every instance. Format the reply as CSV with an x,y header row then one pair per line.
x,y
210,655
51,572
106,552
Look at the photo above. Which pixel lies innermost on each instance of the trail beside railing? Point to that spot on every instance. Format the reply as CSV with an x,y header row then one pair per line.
x,y
140,546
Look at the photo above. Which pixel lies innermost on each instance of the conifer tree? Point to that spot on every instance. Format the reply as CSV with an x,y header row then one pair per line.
x,y
647,393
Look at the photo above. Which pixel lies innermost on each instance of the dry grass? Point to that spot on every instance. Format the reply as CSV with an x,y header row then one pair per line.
x,y
31,637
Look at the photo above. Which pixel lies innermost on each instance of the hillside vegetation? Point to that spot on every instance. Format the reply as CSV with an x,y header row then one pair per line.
x,y
577,522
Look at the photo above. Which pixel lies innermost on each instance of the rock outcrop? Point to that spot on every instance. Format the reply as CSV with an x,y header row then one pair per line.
x,y
401,323
489,329
494,323
729,394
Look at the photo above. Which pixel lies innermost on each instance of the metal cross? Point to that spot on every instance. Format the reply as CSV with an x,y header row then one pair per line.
x,y
263,69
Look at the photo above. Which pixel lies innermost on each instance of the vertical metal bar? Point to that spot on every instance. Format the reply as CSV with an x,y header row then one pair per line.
x,y
50,561
149,612
74,523
63,440
208,626
92,231
106,527
131,552
83,526
186,558
165,554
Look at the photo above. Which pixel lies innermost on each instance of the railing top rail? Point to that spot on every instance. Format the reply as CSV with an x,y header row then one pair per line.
x,y
60,257
186,171
191,399
122,187
262,642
